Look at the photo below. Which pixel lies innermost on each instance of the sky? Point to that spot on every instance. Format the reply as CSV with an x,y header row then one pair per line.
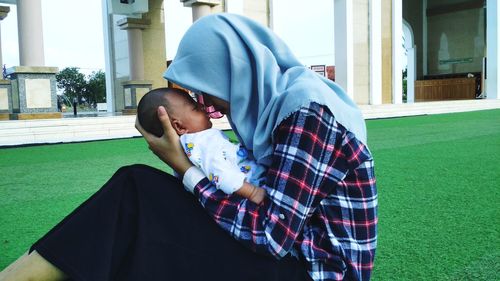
x,y
73,34
307,29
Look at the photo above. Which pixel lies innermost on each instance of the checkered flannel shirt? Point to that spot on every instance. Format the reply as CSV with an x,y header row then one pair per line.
x,y
321,203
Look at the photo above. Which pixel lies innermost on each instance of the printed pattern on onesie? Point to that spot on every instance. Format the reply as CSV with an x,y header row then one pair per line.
x,y
224,163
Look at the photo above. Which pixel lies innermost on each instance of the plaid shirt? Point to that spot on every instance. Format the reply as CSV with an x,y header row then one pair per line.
x,y
321,200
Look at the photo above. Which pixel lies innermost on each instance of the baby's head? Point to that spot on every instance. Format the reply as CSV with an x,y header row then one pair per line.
x,y
186,115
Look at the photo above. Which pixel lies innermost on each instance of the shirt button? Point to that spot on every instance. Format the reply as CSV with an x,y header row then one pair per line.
x,y
281,216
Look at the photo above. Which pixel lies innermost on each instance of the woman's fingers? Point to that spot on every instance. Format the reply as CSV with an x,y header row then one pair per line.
x,y
165,121
149,137
166,147
172,152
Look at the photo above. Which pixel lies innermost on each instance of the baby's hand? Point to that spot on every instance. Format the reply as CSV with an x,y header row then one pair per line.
x,y
258,195
252,192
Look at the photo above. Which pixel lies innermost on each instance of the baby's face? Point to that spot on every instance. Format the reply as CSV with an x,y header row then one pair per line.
x,y
191,114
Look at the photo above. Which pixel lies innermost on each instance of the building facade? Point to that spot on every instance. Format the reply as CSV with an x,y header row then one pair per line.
x,y
450,46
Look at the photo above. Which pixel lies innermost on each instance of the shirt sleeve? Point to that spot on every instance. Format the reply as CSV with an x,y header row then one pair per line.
x,y
225,175
192,176
303,146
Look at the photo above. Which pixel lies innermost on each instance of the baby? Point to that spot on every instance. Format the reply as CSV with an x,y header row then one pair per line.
x,y
228,166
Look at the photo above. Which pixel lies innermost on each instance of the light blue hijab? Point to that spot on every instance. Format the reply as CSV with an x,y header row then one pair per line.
x,y
244,63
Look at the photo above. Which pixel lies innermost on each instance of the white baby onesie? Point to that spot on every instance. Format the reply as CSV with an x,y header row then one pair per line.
x,y
224,163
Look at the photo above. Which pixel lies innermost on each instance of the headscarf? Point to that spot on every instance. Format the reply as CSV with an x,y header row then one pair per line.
x,y
245,63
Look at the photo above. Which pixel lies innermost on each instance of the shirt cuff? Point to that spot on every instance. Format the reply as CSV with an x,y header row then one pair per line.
x,y
192,177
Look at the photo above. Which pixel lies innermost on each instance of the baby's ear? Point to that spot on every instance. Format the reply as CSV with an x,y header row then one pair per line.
x,y
178,127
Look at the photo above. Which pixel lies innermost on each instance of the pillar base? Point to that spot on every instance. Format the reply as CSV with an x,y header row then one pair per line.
x,y
28,116
129,111
133,91
33,90
4,116
5,96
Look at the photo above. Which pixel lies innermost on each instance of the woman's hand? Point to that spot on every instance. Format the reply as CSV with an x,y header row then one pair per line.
x,y
166,147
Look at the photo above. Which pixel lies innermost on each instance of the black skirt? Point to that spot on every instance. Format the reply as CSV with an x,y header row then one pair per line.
x,y
143,225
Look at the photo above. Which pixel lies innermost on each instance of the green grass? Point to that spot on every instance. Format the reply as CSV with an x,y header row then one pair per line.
x,y
438,179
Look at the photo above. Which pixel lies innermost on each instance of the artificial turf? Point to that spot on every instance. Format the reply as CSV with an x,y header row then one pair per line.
x,y
438,179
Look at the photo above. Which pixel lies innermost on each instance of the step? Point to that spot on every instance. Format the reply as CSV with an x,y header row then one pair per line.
x,y
21,132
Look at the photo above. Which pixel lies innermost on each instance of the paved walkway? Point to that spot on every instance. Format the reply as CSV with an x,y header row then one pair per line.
x,y
109,126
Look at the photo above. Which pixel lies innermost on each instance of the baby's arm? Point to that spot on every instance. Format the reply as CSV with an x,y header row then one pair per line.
x,y
206,154
253,193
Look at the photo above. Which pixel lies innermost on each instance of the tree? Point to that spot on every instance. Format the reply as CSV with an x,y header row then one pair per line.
x,y
96,87
73,82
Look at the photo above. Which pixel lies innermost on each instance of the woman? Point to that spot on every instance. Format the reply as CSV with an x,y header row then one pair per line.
x,y
318,221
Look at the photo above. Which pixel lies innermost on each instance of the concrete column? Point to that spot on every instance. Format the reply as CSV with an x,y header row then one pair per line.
x,y
271,13
200,8
4,10
492,52
1,58
134,29
375,52
136,87
344,44
29,22
109,67
397,43
135,54
424,38
5,86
